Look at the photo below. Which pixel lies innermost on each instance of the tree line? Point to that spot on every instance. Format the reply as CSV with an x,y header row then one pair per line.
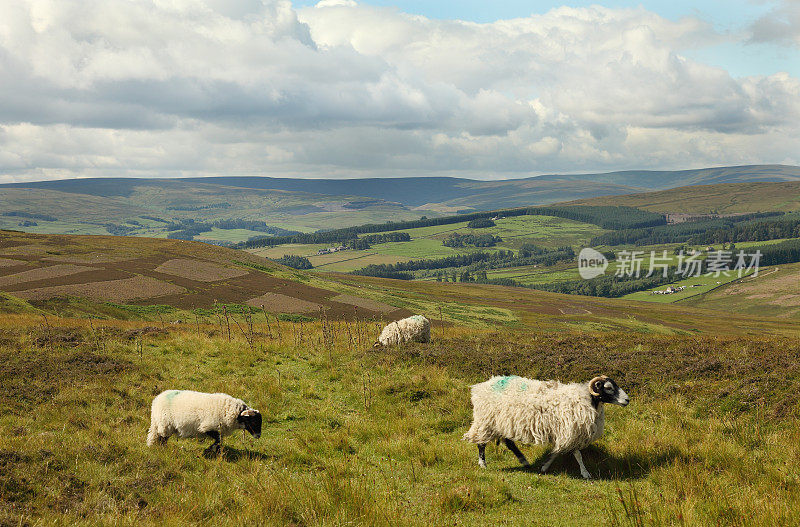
x,y
778,253
223,205
465,262
30,215
481,223
610,286
714,230
784,227
365,242
297,262
475,240
187,229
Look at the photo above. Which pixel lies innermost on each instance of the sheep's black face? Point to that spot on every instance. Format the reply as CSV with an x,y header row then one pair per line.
x,y
607,391
250,420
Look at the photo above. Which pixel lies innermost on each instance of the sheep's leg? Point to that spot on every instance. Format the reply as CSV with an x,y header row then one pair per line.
x,y
549,462
215,446
513,448
482,455
584,473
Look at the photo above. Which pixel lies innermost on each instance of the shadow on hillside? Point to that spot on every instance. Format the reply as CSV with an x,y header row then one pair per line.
x,y
603,465
234,455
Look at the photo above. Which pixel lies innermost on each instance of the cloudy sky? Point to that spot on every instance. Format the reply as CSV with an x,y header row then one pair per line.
x,y
340,88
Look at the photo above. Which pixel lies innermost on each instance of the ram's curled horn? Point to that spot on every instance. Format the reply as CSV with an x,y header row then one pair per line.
x,y
591,385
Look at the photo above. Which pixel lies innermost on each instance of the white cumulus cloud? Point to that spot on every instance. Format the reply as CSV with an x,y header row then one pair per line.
x,y
216,87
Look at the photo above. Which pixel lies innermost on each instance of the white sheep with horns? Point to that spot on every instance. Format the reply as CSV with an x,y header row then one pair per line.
x,y
196,414
567,416
415,328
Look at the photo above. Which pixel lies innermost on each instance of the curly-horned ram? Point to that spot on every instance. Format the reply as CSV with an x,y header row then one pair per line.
x,y
195,414
415,328
567,416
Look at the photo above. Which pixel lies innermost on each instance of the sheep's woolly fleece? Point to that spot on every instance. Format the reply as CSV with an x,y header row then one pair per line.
x,y
192,414
535,412
415,328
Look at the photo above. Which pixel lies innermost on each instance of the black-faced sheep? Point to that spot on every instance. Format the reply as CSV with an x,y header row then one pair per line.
x,y
567,416
196,414
415,328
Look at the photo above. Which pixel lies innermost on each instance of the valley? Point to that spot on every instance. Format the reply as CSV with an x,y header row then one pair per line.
x,y
93,326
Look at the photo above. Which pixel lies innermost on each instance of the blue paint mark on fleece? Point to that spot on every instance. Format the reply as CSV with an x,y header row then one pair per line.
x,y
171,395
501,383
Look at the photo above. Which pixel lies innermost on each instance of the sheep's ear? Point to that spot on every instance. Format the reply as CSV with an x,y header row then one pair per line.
x,y
249,412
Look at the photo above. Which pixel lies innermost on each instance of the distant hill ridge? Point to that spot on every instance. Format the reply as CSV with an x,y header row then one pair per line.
x,y
725,198
143,207
419,191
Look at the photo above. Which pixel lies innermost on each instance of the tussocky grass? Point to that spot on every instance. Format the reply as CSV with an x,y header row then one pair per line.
x,y
359,436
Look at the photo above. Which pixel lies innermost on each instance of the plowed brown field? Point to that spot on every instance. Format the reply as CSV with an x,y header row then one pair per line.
x,y
198,270
125,290
172,272
43,273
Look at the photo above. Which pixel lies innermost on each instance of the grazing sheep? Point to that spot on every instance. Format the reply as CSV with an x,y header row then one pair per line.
x,y
567,416
415,328
195,414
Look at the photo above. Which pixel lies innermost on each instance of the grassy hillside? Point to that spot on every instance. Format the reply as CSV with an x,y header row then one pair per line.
x,y
665,179
729,198
774,292
113,275
357,436
121,277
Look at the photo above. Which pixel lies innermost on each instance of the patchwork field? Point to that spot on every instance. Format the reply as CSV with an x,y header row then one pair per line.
x,y
426,242
51,272
198,270
123,290
185,275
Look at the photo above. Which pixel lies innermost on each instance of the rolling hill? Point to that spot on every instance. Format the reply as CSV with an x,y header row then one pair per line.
x,y
125,276
93,327
113,275
724,198
774,292
129,205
